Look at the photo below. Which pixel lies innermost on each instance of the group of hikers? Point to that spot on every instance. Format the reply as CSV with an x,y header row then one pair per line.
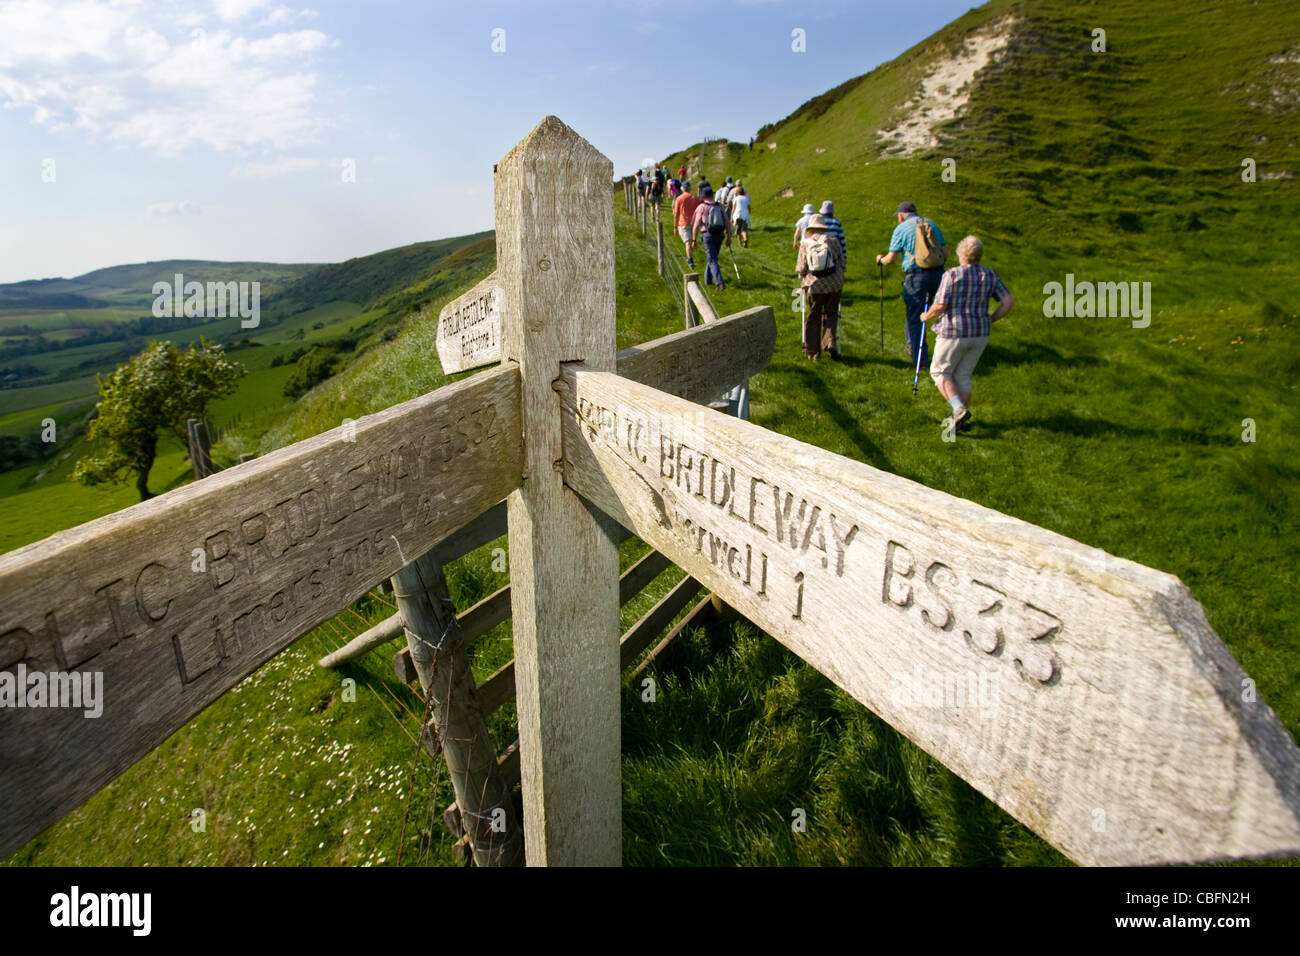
x,y
706,217
954,302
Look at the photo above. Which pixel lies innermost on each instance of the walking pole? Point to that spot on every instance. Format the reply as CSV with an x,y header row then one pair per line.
x,y
733,261
803,316
881,268
920,347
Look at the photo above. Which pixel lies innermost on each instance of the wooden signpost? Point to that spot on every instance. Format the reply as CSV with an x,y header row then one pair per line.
x,y
469,328
177,599
1086,695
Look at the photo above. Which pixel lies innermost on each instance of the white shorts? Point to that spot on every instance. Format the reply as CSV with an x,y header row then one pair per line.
x,y
956,359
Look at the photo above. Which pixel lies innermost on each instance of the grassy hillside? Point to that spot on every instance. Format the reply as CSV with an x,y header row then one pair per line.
x,y
131,285
1126,439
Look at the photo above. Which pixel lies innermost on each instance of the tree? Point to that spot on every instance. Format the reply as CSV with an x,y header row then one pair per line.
x,y
154,391
310,370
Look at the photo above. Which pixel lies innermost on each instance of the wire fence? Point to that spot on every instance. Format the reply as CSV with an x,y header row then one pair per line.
x,y
675,268
333,635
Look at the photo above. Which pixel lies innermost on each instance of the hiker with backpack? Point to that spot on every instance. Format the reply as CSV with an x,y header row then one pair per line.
x,y
836,228
711,222
684,207
724,195
805,214
961,326
656,192
821,275
923,250
740,215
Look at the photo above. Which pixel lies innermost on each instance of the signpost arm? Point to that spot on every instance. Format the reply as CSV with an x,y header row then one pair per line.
x,y
555,260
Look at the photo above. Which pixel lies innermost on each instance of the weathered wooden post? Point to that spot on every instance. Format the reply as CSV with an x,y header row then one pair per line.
x,y
645,202
555,260
659,244
688,307
434,639
200,447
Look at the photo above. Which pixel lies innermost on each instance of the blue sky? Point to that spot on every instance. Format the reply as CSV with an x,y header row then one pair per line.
x,y
222,129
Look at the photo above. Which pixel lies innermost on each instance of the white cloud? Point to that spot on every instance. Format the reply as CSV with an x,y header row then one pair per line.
x,y
173,207
236,10
280,166
98,66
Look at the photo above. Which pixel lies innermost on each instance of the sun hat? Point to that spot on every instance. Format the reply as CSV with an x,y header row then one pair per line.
x,y
808,209
828,208
816,222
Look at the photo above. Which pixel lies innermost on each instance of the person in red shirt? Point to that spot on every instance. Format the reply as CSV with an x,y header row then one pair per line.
x,y
683,217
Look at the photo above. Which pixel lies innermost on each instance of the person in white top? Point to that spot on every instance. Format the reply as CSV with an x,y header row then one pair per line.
x,y
724,194
740,214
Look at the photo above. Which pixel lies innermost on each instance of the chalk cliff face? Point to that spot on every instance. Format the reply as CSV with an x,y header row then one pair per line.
x,y
946,89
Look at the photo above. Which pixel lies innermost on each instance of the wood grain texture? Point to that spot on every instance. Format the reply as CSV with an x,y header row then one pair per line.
x,y
437,652
689,315
555,260
703,307
485,615
485,528
469,328
1085,694
700,363
178,598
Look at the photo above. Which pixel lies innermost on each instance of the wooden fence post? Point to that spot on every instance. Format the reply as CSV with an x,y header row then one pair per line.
x,y
434,639
555,259
200,453
645,204
688,308
659,244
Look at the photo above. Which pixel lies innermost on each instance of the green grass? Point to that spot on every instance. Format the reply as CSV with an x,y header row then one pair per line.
x,y
1125,439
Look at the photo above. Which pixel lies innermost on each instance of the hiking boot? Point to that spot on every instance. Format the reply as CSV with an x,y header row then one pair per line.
x,y
965,423
961,415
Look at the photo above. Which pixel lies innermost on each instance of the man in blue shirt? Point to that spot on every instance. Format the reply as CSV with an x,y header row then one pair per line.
x,y
919,285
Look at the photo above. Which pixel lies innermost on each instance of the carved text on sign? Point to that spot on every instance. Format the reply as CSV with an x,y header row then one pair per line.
x,y
987,618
